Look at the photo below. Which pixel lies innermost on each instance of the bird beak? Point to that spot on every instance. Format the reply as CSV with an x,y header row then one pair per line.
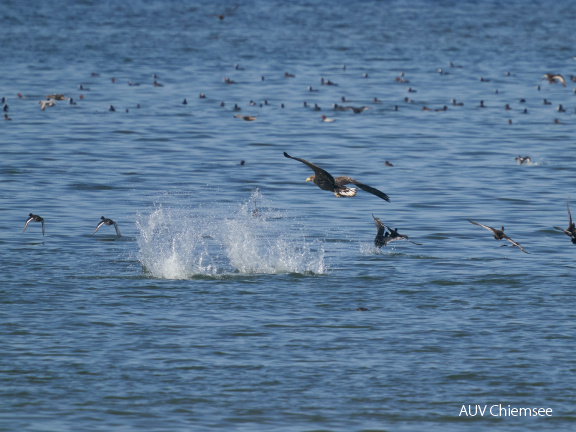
x,y
308,179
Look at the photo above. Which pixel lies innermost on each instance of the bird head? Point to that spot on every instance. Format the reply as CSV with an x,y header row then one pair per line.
x,y
311,178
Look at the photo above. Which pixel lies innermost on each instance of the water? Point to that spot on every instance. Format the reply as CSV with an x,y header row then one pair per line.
x,y
229,302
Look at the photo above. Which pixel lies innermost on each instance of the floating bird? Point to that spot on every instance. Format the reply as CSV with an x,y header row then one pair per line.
x,y
34,218
324,180
553,78
289,75
456,103
499,235
388,164
46,103
326,119
6,117
108,222
246,118
571,230
229,81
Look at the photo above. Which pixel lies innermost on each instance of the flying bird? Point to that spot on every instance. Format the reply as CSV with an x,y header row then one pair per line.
x,y
499,235
552,78
34,218
324,180
384,237
571,230
108,222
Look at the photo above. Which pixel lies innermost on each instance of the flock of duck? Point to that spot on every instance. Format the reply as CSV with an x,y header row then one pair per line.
x,y
323,179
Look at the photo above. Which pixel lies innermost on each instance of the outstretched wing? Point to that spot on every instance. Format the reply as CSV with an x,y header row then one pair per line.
x,y
117,230
569,215
98,227
344,180
27,222
323,179
42,226
483,226
379,226
515,244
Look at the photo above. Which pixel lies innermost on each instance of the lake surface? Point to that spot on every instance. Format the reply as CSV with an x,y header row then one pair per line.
x,y
230,300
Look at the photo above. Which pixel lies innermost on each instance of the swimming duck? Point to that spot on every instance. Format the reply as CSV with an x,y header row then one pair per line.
x,y
326,119
245,118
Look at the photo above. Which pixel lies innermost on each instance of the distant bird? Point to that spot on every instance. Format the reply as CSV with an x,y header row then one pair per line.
x,y
456,103
327,82
499,235
157,84
6,117
246,118
444,108
546,102
455,66
310,89
111,108
46,103
358,110
34,218
289,75
388,164
108,222
237,67
324,180
523,160
229,81
326,119
481,104
560,108
131,84
227,12
553,78
571,230
184,102
56,96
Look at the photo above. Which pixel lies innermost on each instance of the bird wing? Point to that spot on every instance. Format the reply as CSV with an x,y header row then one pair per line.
x,y
492,230
117,230
324,179
568,207
379,225
344,180
27,222
515,244
98,227
564,231
42,226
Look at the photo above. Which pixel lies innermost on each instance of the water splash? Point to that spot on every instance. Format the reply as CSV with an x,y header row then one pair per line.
x,y
216,240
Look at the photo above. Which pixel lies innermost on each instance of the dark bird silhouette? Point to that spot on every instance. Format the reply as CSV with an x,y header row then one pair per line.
x,y
571,230
34,218
108,222
384,237
499,235
324,180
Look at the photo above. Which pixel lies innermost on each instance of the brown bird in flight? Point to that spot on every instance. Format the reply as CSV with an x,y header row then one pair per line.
x,y
499,235
324,180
